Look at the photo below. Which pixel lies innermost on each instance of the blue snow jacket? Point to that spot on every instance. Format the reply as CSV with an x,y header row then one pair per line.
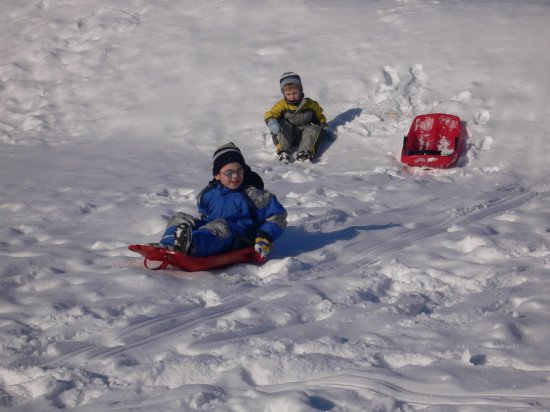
x,y
230,219
233,218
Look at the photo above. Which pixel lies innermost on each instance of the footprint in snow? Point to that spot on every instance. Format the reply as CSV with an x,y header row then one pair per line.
x,y
390,76
482,117
486,143
462,97
416,87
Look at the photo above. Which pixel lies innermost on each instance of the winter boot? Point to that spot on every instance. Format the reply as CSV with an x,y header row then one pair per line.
x,y
162,246
284,157
304,156
183,238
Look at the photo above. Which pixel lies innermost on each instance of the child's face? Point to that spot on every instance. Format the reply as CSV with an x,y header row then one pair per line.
x,y
231,175
291,92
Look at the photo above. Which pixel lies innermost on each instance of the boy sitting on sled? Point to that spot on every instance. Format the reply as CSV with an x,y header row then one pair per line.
x,y
295,121
235,212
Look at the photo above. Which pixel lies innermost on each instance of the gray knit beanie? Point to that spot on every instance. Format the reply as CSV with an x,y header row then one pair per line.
x,y
290,78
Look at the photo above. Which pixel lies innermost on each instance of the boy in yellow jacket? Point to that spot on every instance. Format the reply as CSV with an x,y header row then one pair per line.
x,y
295,120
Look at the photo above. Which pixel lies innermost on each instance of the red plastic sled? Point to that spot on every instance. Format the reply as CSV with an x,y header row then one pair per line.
x,y
434,141
192,263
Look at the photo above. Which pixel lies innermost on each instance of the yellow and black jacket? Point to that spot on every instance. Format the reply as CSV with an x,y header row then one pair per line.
x,y
305,113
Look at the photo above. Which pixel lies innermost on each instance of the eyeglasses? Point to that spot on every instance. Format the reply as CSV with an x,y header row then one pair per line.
x,y
229,173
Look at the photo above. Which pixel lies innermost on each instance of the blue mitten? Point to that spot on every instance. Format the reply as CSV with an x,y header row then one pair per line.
x,y
273,125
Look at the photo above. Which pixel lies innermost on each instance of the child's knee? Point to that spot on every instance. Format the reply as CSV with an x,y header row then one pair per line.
x,y
181,217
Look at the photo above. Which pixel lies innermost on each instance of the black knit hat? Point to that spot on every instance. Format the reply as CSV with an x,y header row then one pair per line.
x,y
228,153
290,78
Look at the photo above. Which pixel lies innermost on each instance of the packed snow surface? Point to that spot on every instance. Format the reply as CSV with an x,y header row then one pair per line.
x,y
392,289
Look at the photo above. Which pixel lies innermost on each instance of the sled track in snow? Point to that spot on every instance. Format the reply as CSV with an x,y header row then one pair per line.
x,y
366,383
416,392
154,330
370,254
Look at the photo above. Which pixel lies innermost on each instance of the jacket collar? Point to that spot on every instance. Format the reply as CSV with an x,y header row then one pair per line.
x,y
225,189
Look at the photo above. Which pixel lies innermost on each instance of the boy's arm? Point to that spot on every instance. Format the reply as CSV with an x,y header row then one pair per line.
x,y
269,212
270,230
273,220
273,226
276,111
202,199
321,116
319,113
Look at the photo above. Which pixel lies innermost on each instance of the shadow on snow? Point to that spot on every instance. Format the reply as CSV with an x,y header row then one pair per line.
x,y
346,117
296,240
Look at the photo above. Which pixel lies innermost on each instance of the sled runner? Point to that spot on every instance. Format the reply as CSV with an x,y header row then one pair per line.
x,y
178,260
434,141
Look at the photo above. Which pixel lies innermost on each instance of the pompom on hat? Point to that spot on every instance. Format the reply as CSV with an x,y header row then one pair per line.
x,y
228,153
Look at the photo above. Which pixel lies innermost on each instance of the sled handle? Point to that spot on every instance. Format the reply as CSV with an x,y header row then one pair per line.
x,y
163,264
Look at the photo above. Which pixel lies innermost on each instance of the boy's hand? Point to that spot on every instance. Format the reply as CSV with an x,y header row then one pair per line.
x,y
273,125
262,247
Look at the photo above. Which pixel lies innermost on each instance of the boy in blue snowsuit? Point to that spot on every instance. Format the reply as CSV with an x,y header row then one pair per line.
x,y
235,212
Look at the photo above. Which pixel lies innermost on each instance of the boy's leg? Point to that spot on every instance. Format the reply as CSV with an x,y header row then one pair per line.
x,y
284,140
210,239
213,238
311,137
169,237
206,243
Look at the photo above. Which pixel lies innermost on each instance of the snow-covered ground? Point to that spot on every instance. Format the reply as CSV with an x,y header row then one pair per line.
x,y
393,289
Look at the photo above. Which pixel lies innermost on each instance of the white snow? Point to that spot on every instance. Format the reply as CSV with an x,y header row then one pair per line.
x,y
393,288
